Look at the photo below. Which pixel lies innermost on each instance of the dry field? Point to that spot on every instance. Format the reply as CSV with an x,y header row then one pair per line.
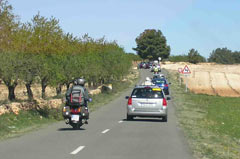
x,y
210,78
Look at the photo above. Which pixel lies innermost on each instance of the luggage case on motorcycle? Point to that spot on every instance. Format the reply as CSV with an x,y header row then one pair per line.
x,y
85,112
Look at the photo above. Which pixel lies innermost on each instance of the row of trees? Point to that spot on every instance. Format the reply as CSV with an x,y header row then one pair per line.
x,y
40,52
224,56
220,55
193,57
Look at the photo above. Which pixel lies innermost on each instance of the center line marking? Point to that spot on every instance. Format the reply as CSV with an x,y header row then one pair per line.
x,y
80,148
105,131
120,121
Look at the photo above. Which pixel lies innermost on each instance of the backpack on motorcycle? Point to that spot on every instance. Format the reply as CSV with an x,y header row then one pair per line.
x,y
77,96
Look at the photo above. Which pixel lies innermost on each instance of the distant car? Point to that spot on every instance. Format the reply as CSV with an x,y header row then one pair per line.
x,y
159,75
150,65
147,101
142,65
147,65
162,83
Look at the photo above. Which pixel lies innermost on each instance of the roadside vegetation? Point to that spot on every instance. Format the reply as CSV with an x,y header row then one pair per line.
x,y
224,56
39,52
12,125
219,55
211,123
193,57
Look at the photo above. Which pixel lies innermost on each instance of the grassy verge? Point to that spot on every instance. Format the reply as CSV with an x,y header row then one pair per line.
x,y
104,98
211,123
12,125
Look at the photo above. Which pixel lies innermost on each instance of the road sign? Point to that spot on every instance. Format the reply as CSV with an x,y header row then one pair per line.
x,y
186,70
179,70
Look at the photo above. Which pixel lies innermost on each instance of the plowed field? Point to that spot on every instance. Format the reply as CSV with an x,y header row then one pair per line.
x,y
209,78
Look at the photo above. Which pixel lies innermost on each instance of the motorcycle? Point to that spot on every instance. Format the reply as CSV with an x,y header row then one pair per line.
x,y
75,116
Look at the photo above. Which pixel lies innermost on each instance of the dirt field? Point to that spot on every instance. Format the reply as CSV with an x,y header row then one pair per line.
x,y
210,78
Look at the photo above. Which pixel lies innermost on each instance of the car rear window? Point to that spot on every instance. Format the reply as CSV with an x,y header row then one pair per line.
x,y
157,81
147,93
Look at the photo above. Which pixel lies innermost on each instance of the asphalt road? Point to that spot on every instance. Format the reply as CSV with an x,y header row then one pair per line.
x,y
107,136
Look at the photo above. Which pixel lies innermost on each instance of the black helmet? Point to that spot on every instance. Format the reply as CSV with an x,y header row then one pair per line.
x,y
79,81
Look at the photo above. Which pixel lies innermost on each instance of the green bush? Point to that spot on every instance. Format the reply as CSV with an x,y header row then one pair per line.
x,y
178,58
194,57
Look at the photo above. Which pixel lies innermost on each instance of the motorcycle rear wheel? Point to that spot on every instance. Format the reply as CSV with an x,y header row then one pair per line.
x,y
77,126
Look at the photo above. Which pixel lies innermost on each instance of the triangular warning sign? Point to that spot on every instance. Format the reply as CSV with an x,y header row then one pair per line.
x,y
186,70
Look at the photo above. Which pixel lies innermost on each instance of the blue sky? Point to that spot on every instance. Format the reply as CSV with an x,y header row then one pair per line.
x,y
201,24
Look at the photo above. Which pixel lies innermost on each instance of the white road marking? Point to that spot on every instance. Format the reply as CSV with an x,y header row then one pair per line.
x,y
105,131
120,121
80,148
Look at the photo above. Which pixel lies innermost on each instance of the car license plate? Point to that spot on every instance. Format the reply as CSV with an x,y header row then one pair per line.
x,y
75,118
148,104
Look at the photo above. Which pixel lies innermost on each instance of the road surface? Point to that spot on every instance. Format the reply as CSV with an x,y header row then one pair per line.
x,y
107,136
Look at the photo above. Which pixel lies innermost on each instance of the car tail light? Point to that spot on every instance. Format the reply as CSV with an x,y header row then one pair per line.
x,y
130,101
164,102
166,85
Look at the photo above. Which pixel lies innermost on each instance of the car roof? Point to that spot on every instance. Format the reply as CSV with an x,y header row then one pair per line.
x,y
158,74
159,79
144,86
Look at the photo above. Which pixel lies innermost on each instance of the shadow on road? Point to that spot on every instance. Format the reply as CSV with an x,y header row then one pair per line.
x,y
144,120
69,129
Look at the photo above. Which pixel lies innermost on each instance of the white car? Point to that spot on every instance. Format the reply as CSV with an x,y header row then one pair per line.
x,y
147,101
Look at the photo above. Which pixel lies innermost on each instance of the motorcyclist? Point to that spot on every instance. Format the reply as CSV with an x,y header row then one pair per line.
x,y
84,110
155,70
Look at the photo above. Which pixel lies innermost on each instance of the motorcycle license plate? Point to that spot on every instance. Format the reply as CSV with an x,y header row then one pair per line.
x,y
75,118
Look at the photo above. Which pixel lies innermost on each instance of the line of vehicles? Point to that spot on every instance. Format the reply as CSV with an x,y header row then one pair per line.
x,y
146,100
149,99
154,66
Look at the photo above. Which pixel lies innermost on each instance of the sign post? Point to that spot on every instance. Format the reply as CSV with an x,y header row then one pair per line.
x,y
186,71
180,72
